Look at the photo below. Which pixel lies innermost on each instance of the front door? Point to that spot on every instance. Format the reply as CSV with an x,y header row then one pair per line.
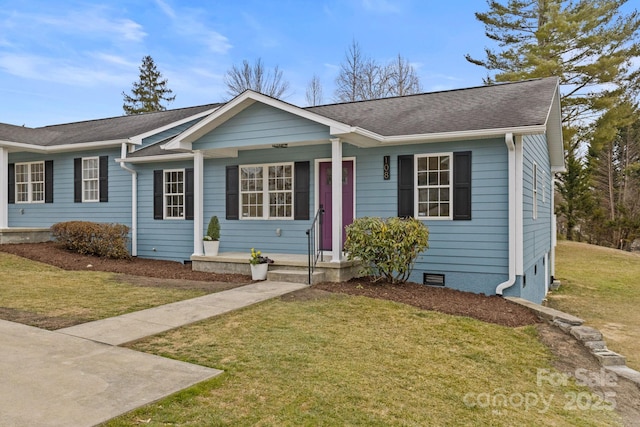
x,y
325,199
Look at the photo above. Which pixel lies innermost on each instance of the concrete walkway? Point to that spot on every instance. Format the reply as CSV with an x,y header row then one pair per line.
x,y
77,377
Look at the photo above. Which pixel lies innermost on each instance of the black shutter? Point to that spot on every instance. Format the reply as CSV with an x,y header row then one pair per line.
x,y
158,182
462,185
104,178
301,191
405,186
232,193
188,193
48,181
11,190
77,180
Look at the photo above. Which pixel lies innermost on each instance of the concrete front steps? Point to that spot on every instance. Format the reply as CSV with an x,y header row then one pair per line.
x,y
286,268
295,276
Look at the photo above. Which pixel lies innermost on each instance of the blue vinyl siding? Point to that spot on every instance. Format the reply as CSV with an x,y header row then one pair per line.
x,y
536,232
473,254
170,239
262,124
63,208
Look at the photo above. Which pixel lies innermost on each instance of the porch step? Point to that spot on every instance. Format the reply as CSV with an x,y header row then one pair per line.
x,y
295,276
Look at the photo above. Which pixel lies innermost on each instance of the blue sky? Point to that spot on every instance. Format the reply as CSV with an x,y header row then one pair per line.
x,y
65,60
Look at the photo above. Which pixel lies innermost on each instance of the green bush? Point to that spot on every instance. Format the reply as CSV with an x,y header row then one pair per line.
x,y
91,238
387,248
213,230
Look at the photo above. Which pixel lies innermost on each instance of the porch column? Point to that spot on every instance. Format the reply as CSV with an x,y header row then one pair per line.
x,y
336,200
4,185
198,195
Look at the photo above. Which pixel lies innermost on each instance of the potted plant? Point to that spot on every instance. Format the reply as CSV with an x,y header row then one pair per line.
x,y
211,240
259,265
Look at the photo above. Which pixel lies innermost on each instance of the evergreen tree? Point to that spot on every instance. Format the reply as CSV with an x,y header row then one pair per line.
x,y
149,93
589,44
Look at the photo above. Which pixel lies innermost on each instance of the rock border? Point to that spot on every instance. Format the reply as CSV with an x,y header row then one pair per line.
x,y
590,337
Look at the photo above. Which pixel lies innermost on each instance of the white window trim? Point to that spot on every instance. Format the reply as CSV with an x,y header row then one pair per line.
x,y
416,192
30,183
84,180
265,191
165,194
534,179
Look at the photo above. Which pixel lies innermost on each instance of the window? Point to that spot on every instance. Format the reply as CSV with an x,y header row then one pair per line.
x,y
535,191
174,194
90,179
266,191
433,186
29,182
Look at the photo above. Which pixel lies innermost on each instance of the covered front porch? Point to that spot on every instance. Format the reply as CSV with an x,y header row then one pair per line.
x,y
286,268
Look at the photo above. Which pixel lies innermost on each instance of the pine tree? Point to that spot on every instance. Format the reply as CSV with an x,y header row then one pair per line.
x,y
149,93
589,44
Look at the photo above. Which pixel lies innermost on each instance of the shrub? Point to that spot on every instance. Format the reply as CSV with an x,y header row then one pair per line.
x,y
91,238
213,230
387,248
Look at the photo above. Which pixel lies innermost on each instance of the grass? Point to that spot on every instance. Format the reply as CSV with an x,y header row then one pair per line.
x,y
76,295
602,286
344,360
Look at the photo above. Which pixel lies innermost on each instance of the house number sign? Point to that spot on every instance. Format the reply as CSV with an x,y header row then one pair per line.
x,y
386,171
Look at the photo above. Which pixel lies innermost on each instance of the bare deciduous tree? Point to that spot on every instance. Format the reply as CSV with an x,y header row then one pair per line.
x,y
314,91
257,78
403,79
363,78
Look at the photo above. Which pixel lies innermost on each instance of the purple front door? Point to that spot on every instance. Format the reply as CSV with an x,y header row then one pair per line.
x,y
325,199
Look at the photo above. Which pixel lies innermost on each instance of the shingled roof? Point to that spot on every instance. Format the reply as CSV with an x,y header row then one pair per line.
x,y
499,106
110,129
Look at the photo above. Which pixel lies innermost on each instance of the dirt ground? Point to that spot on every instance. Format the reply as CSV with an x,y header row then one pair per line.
x,y
570,356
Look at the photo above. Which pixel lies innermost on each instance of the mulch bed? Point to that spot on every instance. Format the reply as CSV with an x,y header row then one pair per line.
x,y
52,254
492,309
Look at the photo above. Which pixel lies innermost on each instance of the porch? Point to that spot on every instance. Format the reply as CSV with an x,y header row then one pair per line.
x,y
286,268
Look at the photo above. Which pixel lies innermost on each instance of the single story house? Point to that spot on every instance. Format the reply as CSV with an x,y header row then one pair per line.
x,y
476,165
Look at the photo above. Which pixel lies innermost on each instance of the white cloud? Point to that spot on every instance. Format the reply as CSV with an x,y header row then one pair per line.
x,y
59,71
166,9
187,24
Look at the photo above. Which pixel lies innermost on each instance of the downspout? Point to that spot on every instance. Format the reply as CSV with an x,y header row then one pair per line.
x,y
511,153
134,201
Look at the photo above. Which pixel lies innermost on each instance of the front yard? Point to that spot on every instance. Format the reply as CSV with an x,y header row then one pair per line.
x,y
332,359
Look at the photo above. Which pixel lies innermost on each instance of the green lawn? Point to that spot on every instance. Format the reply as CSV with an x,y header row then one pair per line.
x,y
74,296
602,286
343,360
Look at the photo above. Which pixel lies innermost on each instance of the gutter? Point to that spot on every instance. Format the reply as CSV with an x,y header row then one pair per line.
x,y
511,153
134,200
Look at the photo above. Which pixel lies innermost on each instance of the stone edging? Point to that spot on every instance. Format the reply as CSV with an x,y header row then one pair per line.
x,y
591,338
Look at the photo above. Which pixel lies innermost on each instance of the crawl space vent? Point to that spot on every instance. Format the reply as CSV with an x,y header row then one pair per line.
x,y
433,279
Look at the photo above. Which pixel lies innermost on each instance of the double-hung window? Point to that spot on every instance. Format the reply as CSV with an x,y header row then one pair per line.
x,y
434,192
29,182
266,191
90,179
174,194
